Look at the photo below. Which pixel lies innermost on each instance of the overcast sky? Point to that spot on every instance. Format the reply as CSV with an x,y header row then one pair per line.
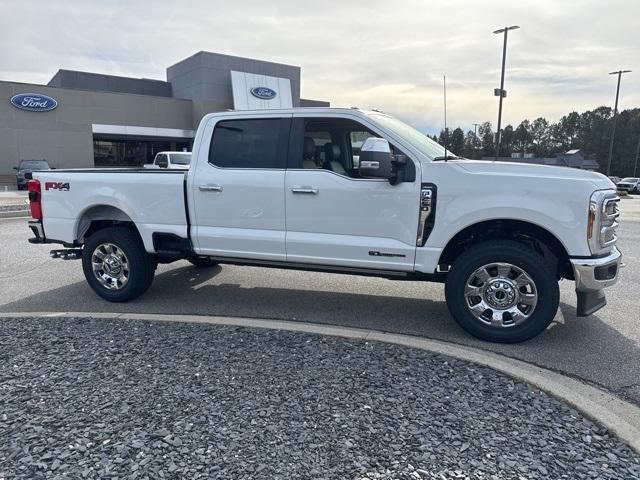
x,y
388,54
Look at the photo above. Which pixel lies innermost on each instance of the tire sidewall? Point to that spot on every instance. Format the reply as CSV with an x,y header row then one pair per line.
x,y
526,259
139,263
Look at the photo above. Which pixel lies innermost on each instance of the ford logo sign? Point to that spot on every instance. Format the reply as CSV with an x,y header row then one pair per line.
x,y
265,93
34,102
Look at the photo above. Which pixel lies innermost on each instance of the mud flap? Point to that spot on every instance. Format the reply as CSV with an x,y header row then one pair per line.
x,y
590,302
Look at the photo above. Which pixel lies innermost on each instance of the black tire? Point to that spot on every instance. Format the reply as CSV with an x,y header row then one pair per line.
x,y
202,261
520,256
141,264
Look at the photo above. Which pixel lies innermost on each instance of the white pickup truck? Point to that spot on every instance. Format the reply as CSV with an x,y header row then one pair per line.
x,y
300,189
170,160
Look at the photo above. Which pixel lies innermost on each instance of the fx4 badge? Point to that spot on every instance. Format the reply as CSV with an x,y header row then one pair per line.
x,y
64,186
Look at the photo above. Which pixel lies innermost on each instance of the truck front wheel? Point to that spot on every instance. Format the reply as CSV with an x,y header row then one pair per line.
x,y
116,265
502,291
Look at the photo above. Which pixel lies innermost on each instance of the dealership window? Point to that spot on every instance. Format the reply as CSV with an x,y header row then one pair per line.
x,y
254,143
119,152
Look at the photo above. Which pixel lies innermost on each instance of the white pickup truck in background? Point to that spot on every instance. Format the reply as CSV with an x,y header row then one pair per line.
x,y
298,188
171,161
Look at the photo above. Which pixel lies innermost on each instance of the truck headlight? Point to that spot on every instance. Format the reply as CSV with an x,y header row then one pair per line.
x,y
602,221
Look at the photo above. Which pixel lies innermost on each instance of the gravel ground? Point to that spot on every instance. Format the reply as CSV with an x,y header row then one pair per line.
x,y
83,398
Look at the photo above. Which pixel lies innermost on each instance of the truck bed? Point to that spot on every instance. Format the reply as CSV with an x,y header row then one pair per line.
x,y
153,199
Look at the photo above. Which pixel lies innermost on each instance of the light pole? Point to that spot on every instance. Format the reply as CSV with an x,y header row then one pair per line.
x,y
501,92
635,167
615,118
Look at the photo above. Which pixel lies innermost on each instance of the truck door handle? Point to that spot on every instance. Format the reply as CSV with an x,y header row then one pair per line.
x,y
311,190
210,188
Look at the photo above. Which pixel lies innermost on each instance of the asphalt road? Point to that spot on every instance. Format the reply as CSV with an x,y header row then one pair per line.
x,y
603,349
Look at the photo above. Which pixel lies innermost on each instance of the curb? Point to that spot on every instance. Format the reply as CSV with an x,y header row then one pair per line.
x,y
15,214
619,416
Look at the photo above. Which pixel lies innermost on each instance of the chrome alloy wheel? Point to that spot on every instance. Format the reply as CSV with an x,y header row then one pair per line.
x,y
110,266
501,295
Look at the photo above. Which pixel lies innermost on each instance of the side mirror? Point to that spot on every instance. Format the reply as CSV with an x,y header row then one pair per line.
x,y
15,168
376,160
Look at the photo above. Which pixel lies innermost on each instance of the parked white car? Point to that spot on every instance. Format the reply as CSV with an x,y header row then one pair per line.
x,y
171,161
280,188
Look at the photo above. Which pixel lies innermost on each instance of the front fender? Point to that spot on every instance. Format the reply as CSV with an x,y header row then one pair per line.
x,y
566,218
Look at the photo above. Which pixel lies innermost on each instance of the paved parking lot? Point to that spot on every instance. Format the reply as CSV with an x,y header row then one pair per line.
x,y
603,349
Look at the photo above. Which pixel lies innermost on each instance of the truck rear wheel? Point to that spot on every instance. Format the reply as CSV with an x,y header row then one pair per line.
x,y
502,291
116,265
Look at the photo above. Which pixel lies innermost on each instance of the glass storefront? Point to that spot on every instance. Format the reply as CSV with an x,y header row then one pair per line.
x,y
119,152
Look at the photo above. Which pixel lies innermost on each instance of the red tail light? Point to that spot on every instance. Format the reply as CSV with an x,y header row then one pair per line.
x,y
35,198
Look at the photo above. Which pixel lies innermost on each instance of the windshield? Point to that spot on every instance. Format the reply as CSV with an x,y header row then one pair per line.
x,y
180,158
630,180
417,139
34,165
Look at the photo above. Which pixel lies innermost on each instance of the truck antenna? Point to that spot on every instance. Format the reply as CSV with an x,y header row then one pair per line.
x,y
446,134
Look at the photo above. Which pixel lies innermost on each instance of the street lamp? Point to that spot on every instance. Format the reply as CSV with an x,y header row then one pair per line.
x,y
501,92
615,118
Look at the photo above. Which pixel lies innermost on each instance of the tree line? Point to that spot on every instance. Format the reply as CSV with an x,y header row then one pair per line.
x,y
589,131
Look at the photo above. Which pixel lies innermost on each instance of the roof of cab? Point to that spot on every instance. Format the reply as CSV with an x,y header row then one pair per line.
x,y
281,111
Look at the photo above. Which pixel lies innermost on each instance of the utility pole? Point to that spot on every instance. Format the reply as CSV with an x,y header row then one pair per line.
x,y
635,167
475,138
615,118
501,92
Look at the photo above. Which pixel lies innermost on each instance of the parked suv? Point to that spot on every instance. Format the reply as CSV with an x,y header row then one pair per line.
x,y
28,166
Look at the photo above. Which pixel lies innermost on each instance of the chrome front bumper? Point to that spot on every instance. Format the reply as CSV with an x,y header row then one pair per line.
x,y
592,275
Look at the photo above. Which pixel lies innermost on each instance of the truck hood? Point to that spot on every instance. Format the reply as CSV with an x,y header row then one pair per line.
x,y
599,180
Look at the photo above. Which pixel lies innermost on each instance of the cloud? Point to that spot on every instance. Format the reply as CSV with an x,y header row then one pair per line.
x,y
389,55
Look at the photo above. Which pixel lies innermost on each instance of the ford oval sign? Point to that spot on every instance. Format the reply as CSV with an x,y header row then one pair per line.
x,y
265,93
34,102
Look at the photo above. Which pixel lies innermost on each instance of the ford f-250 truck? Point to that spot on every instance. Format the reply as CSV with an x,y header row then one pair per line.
x,y
347,191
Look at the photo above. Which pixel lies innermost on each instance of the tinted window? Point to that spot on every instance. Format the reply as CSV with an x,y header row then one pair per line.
x,y
34,165
255,143
126,153
161,161
180,158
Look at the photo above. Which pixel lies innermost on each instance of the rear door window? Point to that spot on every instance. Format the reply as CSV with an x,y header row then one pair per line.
x,y
251,143
161,161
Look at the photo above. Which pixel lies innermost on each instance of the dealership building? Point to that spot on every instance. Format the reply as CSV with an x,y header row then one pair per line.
x,y
82,119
